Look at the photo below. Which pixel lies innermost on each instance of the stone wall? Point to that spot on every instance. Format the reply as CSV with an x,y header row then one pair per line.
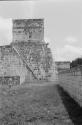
x,y
10,80
62,65
28,29
12,65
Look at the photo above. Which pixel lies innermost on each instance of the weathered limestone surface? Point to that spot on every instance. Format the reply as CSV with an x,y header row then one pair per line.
x,y
10,80
28,56
37,56
12,65
28,29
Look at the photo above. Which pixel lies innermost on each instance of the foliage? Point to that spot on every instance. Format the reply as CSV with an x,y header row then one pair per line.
x,y
76,62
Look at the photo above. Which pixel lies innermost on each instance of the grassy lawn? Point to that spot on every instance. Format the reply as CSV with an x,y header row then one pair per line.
x,y
32,105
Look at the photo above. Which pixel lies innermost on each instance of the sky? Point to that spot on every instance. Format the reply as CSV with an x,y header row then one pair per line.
x,y
62,24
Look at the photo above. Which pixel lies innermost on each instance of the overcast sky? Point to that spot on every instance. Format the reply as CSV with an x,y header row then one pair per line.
x,y
63,24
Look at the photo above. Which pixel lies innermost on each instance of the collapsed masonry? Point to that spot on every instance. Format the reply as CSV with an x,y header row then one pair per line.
x,y
28,56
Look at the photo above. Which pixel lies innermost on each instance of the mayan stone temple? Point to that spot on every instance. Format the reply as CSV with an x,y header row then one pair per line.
x,y
28,58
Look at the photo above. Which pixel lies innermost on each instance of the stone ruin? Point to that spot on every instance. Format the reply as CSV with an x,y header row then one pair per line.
x,y
28,56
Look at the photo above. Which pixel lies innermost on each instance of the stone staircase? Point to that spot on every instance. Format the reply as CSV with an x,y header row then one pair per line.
x,y
25,55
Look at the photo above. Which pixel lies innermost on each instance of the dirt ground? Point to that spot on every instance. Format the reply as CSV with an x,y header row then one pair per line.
x,y
32,105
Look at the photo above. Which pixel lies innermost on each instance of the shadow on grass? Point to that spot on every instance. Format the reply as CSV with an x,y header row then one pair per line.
x,y
73,108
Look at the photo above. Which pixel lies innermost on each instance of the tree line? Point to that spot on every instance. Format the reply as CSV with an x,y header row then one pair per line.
x,y
75,63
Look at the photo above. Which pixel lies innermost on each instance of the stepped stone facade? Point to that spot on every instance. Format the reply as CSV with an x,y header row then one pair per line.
x,y
28,56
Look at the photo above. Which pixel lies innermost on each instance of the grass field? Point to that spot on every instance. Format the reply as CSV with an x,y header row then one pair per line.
x,y
70,87
73,85
32,105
